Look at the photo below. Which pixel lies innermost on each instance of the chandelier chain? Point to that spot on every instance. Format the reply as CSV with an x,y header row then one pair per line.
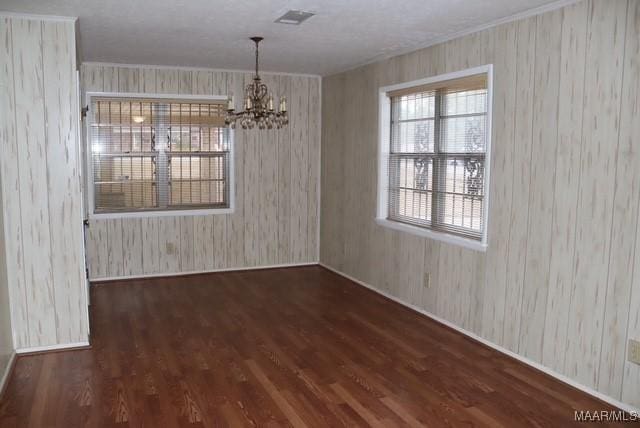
x,y
257,74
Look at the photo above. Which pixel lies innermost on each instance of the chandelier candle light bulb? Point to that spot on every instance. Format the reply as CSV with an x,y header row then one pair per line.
x,y
258,105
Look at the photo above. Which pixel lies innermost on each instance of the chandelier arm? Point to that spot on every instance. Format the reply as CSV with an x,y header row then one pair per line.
x,y
263,91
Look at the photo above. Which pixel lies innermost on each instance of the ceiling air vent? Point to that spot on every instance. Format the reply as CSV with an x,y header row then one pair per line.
x,y
294,17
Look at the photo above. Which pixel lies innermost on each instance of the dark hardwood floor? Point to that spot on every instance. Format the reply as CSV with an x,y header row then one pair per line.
x,y
299,346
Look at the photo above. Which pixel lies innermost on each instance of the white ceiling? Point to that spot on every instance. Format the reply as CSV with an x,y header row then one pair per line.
x,y
214,33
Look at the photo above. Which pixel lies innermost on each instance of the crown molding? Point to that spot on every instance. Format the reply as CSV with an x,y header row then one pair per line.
x,y
187,68
38,17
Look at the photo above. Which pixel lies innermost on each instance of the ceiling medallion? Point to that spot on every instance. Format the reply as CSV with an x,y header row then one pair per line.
x,y
258,105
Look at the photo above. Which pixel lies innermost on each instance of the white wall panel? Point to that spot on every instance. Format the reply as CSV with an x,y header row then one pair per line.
x,y
559,282
600,132
276,216
31,137
7,140
541,191
567,174
622,308
521,178
64,181
11,189
41,182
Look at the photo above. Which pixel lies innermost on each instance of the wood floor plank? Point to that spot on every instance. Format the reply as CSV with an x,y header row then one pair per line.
x,y
277,347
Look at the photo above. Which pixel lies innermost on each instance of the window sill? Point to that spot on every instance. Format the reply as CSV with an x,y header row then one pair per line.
x,y
165,213
438,236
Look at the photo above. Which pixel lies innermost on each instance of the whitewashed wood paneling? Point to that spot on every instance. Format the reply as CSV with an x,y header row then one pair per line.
x,y
6,331
313,190
501,189
276,216
541,192
560,281
32,165
7,135
600,131
41,180
629,131
622,307
519,215
331,207
567,173
299,132
64,180
11,188
268,196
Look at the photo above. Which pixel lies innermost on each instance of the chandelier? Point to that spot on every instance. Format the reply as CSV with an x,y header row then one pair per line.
x,y
258,105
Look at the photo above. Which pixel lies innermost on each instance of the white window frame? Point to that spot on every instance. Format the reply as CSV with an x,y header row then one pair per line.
x,y
384,147
156,213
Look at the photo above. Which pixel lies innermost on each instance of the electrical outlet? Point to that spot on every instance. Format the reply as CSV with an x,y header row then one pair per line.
x,y
634,351
427,280
170,248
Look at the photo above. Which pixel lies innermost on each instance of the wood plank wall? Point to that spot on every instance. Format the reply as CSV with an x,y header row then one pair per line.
x,y
277,183
560,281
41,188
6,333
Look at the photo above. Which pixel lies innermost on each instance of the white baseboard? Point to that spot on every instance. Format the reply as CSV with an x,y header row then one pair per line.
x,y
47,348
544,369
7,371
199,272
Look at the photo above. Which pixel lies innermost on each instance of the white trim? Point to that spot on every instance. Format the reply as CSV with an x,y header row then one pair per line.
x,y
7,371
159,213
487,159
35,16
562,378
199,272
57,347
439,78
384,132
431,234
451,36
80,148
90,94
187,68
384,136
319,203
92,215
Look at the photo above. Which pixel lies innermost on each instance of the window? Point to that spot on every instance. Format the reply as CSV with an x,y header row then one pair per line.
x,y
158,154
434,148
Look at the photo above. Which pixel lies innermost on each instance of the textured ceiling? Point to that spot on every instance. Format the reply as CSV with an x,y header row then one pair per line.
x,y
214,33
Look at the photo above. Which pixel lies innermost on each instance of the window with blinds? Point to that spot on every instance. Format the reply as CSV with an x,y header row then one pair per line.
x,y
158,154
437,156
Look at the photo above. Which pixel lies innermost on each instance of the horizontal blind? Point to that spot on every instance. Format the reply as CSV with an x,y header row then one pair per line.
x,y
158,154
437,156
467,83
411,158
